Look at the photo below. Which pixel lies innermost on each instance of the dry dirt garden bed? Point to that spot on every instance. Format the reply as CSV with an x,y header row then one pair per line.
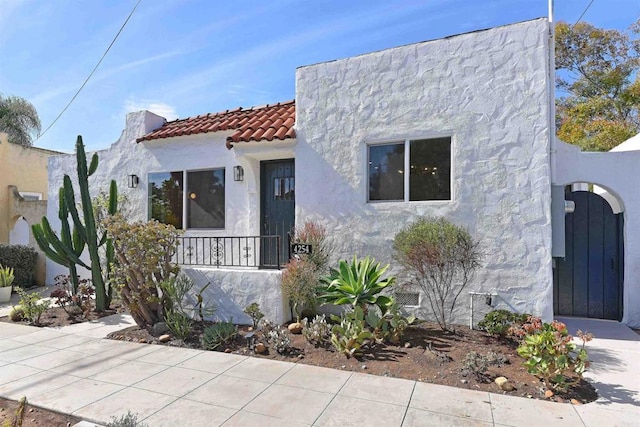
x,y
426,354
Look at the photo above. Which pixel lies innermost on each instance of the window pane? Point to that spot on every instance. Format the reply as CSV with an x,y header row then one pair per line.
x,y
386,172
284,188
165,197
205,203
430,177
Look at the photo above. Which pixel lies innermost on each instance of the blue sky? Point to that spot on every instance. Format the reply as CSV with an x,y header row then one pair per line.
x,y
181,58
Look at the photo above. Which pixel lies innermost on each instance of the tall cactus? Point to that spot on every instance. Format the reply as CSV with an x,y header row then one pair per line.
x,y
65,250
84,227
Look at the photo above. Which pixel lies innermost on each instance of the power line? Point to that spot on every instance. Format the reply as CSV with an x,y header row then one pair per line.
x,y
585,11
92,71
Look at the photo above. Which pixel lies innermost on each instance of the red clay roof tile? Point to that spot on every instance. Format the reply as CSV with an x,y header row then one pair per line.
x,y
264,123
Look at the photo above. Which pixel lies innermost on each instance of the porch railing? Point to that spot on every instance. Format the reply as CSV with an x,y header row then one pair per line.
x,y
235,251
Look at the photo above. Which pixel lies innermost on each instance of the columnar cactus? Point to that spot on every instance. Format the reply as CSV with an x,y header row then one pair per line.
x,y
84,227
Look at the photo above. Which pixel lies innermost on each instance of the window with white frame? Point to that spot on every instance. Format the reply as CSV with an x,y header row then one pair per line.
x,y
204,198
428,162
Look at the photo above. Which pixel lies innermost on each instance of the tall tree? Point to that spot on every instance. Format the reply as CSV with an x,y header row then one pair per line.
x,y
597,77
19,119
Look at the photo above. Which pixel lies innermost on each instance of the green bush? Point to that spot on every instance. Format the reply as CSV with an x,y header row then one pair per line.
x,y
348,336
32,307
552,356
218,334
442,258
22,259
498,322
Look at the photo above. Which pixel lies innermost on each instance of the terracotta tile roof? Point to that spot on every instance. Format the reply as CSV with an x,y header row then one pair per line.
x,y
264,123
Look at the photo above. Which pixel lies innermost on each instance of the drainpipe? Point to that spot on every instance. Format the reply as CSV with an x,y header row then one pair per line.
x,y
552,94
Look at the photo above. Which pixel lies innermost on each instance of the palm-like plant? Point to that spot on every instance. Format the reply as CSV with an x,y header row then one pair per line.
x,y
19,119
358,284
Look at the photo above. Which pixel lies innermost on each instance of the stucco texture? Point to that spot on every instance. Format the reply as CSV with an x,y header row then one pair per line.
x,y
22,169
488,91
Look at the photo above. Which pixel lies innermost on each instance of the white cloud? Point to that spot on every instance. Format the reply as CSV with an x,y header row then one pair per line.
x,y
159,108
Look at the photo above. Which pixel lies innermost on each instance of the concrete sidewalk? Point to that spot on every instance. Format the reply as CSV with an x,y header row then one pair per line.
x,y
74,371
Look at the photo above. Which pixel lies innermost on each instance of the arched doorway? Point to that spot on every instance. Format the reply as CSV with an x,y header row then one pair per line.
x,y
588,281
19,235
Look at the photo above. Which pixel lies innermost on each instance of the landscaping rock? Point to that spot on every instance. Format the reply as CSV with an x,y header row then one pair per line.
x,y
548,394
407,345
504,384
159,328
164,338
260,348
576,402
295,328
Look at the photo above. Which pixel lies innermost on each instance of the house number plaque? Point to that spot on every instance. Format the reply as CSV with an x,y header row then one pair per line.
x,y
301,249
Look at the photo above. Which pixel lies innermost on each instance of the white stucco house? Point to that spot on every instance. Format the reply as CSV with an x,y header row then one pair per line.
x,y
459,127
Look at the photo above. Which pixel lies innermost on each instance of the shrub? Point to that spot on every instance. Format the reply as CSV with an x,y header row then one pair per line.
x,y
389,327
143,253
218,334
300,280
349,335
529,326
32,307
443,258
278,338
22,259
315,235
316,332
477,364
253,311
498,322
128,420
357,284
552,356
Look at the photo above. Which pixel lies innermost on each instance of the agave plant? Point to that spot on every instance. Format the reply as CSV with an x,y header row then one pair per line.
x,y
6,276
358,284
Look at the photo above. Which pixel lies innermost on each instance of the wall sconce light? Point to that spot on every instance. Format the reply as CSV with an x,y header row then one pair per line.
x,y
238,173
133,181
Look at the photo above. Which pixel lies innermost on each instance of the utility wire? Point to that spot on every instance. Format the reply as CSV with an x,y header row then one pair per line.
x,y
92,71
585,11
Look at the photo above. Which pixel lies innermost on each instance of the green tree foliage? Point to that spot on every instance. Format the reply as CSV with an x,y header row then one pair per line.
x,y
19,119
597,74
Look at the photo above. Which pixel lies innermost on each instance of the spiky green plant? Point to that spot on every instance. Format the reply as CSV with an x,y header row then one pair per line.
x,y
66,250
6,276
358,284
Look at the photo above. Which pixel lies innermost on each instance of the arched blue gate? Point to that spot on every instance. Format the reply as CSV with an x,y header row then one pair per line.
x,y
588,281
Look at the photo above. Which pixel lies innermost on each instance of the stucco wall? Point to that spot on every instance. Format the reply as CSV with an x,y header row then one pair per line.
x,y
126,157
233,290
488,91
617,172
25,168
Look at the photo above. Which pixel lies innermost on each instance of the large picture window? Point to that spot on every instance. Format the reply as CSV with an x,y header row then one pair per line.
x,y
205,203
429,165
165,197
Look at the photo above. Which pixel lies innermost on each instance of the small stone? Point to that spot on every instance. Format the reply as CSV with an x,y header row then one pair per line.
x,y
548,394
464,381
250,329
343,367
30,410
260,348
164,338
227,350
301,356
407,345
142,340
504,384
159,329
295,328
560,400
363,367
576,402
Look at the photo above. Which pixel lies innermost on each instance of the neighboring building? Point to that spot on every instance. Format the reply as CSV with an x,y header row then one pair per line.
x,y
23,195
459,127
